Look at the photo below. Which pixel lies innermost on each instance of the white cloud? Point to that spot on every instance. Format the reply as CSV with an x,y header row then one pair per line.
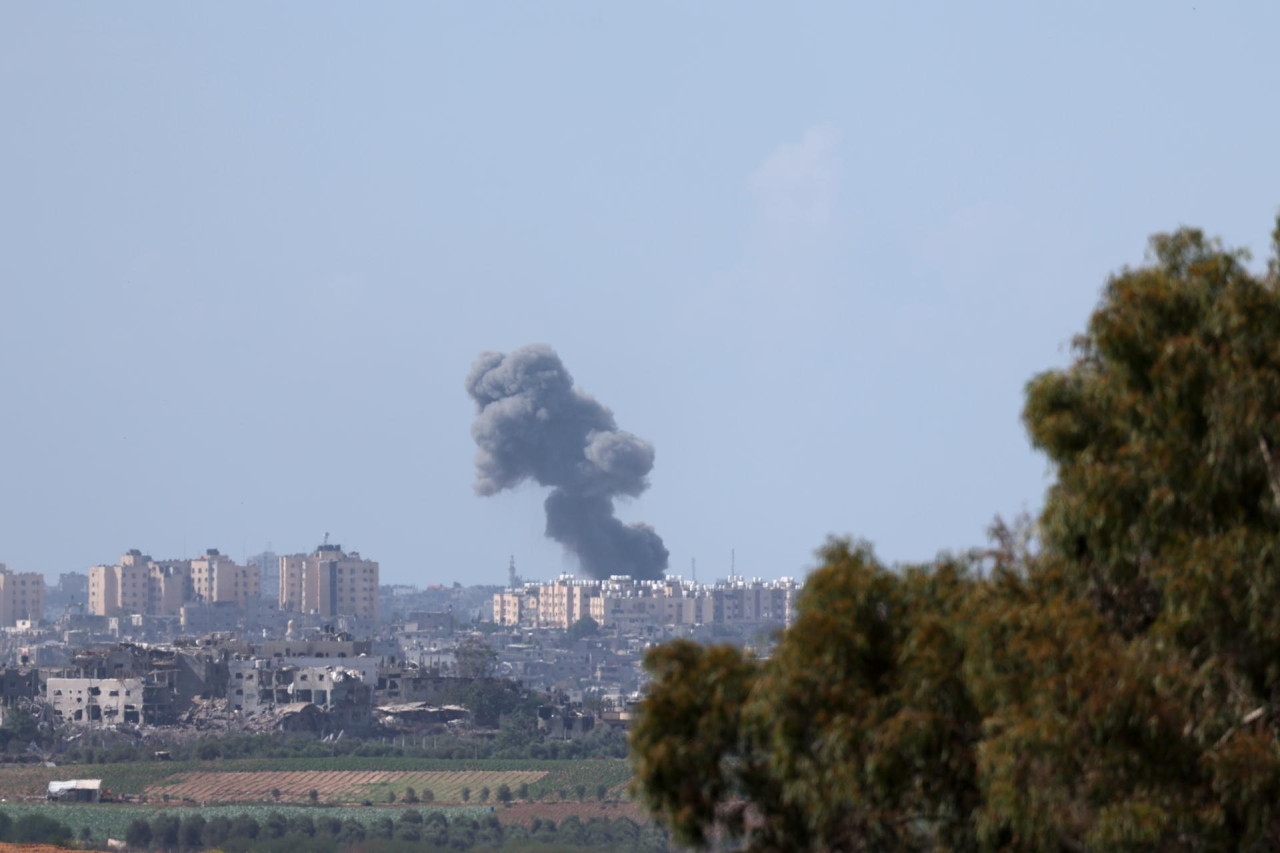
x,y
795,188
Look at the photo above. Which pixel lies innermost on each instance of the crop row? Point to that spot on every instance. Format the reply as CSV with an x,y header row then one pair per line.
x,y
113,819
332,786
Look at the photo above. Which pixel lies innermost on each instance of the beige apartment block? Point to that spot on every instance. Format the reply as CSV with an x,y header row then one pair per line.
x,y
621,602
21,596
565,601
122,588
139,584
515,607
329,582
216,578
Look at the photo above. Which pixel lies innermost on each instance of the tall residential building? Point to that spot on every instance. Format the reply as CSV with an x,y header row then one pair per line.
x,y
122,588
216,578
139,584
21,596
329,582
268,565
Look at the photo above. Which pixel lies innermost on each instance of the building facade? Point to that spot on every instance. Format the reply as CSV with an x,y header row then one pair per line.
x,y
329,582
215,578
140,585
21,596
621,602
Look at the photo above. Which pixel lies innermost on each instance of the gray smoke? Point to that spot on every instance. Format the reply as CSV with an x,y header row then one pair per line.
x,y
532,422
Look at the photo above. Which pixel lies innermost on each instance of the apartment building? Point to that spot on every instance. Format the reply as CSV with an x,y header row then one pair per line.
x,y
140,585
621,602
565,601
122,588
21,596
515,607
329,582
215,578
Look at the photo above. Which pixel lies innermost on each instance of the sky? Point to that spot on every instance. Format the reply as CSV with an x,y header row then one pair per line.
x,y
811,252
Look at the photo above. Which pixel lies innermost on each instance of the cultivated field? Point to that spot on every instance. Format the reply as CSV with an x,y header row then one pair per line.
x,y
335,786
524,813
347,779
113,819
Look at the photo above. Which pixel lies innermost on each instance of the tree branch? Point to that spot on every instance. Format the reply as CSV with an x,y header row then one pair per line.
x,y
1272,476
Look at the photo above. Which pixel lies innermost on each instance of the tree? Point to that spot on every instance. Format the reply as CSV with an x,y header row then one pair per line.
x,y
857,729
138,834
40,829
191,835
475,658
504,794
165,831
1116,689
466,794
19,726
1160,536
584,627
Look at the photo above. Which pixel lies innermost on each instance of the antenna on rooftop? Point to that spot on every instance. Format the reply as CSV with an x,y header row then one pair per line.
x,y
326,537
693,566
733,563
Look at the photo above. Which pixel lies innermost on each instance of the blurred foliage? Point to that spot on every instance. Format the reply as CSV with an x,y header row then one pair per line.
x,y
1115,688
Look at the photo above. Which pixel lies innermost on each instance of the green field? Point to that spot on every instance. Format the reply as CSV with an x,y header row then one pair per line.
x,y
112,819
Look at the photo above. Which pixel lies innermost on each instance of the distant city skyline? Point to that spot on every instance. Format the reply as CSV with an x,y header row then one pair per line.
x,y
811,254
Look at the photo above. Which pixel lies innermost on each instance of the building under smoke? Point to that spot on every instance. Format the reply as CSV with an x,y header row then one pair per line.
x,y
533,423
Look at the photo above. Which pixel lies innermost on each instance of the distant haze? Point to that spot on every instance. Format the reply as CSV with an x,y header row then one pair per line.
x,y
532,422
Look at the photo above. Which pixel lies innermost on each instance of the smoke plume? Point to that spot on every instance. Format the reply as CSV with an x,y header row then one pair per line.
x,y
532,422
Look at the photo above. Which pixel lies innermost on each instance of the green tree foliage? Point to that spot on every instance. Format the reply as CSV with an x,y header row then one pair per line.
x,y
40,829
1118,689
19,727
584,627
857,730
191,835
138,835
475,658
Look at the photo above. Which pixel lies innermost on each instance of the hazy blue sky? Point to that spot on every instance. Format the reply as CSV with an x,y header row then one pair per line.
x,y
812,252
